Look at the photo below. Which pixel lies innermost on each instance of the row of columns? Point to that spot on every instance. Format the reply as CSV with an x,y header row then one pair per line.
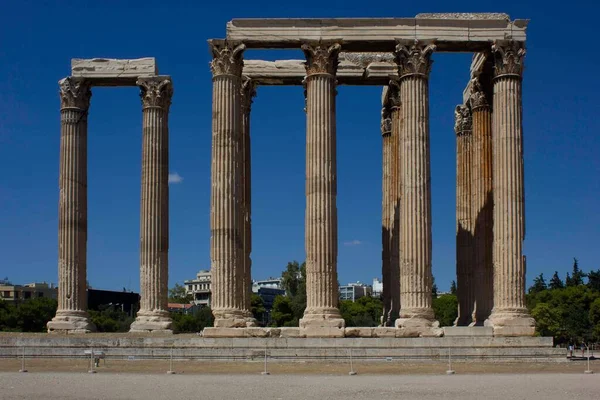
x,y
71,315
490,199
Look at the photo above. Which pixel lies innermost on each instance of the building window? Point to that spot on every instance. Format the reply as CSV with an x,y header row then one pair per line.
x,y
6,294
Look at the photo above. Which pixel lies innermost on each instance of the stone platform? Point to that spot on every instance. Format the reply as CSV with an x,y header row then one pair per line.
x,y
197,348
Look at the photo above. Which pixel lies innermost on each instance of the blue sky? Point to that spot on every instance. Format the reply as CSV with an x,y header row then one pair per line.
x,y
38,39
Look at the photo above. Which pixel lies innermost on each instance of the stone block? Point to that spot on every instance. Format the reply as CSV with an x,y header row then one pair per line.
x,y
469,331
215,332
381,332
358,332
312,331
110,71
290,333
257,332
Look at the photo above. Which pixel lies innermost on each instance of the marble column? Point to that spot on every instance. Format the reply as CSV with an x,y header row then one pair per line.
x,y
322,316
394,194
510,316
416,312
71,315
482,201
248,91
156,93
464,223
386,211
226,208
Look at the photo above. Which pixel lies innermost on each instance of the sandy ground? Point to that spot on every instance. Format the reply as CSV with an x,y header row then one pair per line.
x,y
396,367
76,385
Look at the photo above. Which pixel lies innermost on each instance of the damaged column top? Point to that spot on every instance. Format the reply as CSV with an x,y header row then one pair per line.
x,y
112,71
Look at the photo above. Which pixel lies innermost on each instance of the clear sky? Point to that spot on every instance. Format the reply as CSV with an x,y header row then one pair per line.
x,y
38,39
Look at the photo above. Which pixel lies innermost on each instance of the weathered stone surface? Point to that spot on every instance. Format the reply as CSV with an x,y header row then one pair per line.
x,y
464,221
71,315
468,331
228,257
156,94
470,16
110,71
509,315
321,316
358,332
415,201
290,333
452,33
382,332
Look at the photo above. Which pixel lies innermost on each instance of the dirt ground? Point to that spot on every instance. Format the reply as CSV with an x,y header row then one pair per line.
x,y
397,367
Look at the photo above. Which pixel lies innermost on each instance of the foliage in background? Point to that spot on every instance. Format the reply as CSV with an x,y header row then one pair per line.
x,y
365,311
289,309
177,294
445,308
29,316
110,319
192,323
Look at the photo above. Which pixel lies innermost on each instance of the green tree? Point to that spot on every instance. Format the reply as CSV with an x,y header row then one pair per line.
x,y
594,280
595,319
192,323
257,307
576,276
539,284
8,316
365,311
547,320
434,288
282,313
294,283
33,315
445,308
556,282
177,294
110,319
453,287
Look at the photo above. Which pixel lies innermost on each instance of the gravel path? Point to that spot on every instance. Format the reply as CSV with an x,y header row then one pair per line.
x,y
68,386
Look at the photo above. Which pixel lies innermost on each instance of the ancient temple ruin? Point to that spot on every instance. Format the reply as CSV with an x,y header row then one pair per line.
x,y
395,53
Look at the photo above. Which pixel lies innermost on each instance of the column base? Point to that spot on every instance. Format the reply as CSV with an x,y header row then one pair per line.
x,y
322,322
421,321
233,318
67,321
152,321
511,323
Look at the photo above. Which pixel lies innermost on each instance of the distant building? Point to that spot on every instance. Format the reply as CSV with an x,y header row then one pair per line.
x,y
354,291
18,293
200,288
268,289
183,308
377,287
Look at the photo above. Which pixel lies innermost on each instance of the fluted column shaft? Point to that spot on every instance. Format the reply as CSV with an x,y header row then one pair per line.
x,y
156,93
464,222
386,212
483,203
71,314
226,219
509,315
414,65
321,190
248,91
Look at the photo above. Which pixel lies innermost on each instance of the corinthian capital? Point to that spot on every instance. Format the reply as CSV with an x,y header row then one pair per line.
x,y
414,59
74,93
462,120
508,58
247,91
477,96
321,58
227,58
155,91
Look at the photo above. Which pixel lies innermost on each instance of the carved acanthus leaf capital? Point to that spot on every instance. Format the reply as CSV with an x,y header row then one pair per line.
x,y
248,92
394,94
508,58
463,121
414,59
321,58
386,122
74,93
477,96
228,59
155,91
